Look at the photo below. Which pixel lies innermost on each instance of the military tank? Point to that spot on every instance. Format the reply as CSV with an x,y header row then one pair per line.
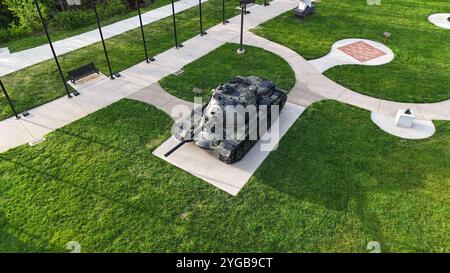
x,y
214,126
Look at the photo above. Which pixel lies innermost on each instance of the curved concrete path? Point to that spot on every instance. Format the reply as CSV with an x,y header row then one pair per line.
x,y
440,20
156,96
421,128
312,86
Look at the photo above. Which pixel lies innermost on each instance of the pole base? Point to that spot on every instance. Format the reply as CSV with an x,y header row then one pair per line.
x,y
203,33
178,46
225,22
36,141
240,51
266,4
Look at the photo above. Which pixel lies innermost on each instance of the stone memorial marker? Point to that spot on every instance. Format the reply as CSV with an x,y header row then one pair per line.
x,y
405,118
197,91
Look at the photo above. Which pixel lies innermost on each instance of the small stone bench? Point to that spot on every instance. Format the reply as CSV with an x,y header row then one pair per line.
x,y
83,72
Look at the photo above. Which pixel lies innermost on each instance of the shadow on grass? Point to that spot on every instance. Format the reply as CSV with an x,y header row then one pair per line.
x,y
10,243
342,167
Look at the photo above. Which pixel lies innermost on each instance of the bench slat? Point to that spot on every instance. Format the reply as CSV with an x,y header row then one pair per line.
x,y
82,72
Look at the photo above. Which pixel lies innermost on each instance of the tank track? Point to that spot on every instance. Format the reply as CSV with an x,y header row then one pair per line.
x,y
244,146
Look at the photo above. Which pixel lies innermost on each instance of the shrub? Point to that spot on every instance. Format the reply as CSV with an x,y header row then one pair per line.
x,y
28,17
111,8
4,36
16,31
68,20
5,16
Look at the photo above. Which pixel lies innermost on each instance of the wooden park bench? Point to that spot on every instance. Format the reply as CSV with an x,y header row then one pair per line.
x,y
82,72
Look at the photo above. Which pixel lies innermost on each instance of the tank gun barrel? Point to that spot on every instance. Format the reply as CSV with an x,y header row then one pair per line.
x,y
193,134
178,146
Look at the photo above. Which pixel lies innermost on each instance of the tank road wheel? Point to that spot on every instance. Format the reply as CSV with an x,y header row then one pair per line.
x,y
224,159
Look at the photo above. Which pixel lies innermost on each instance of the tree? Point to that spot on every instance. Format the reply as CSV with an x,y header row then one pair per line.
x,y
5,16
26,14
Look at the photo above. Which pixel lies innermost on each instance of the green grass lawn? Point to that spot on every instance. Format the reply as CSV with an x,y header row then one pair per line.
x,y
335,183
40,38
223,64
40,83
420,71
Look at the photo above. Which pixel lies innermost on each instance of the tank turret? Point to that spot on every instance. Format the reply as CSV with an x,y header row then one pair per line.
x,y
233,118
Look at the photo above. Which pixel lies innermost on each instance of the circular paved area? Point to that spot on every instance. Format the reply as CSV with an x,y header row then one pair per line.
x,y
354,51
440,20
421,128
311,86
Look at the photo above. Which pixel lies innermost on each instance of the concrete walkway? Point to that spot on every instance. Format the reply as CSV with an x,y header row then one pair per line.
x,y
10,63
156,96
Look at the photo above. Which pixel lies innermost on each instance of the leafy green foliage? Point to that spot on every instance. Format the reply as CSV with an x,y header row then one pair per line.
x,y
73,19
335,183
5,17
78,18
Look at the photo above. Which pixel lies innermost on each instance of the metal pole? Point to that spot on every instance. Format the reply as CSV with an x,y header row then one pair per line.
x,y
241,48
224,21
103,40
147,59
201,19
175,27
9,100
44,26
